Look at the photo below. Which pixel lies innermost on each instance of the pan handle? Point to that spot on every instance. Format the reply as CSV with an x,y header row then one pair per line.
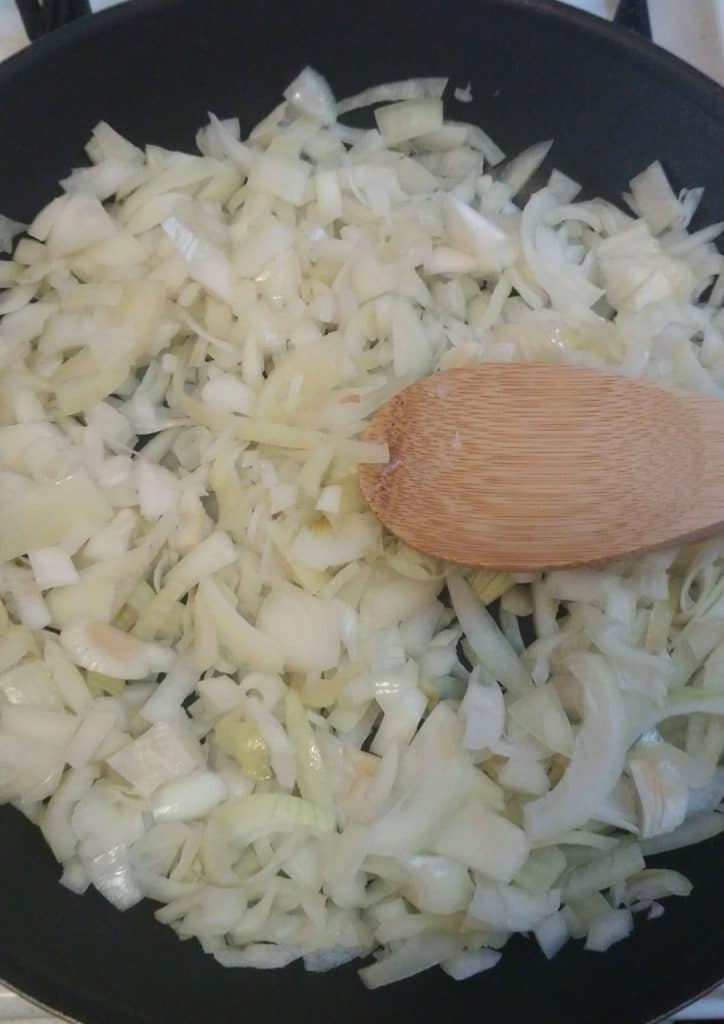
x,y
40,18
634,14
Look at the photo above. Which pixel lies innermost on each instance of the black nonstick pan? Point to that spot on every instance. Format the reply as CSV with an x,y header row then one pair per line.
x,y
153,68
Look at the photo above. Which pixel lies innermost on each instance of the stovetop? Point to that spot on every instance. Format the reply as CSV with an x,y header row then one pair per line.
x,y
700,41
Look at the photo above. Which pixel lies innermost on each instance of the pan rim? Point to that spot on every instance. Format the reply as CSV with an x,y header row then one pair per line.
x,y
61,1015
699,88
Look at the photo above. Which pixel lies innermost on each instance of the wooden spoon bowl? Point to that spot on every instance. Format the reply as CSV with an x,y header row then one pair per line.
x,y
523,467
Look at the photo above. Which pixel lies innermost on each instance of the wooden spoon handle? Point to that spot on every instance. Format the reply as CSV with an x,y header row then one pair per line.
x,y
524,467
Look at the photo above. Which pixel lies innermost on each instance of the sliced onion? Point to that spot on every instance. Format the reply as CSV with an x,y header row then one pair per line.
x,y
597,758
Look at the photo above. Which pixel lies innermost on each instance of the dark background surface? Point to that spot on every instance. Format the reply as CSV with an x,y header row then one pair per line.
x,y
153,70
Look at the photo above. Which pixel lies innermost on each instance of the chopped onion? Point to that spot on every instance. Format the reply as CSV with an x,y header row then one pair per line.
x,y
484,841
97,723
305,630
655,884
552,934
475,234
247,644
223,685
98,647
164,704
518,172
696,829
110,873
597,758
663,795
281,177
508,908
541,714
247,818
412,956
323,547
405,120
52,567
488,642
608,929
162,753
55,822
604,871
467,964
158,491
464,95
483,711
192,797
310,94
654,199
411,89
26,526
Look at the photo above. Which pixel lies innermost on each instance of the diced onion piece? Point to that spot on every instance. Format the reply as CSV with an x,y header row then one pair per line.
x,y
55,821
97,723
663,795
412,88
162,753
226,392
412,956
655,199
411,351
110,873
98,647
475,234
206,263
247,818
405,120
625,860
165,703
312,776
311,95
26,526
280,176
696,829
215,552
552,934
464,95
508,908
541,714
609,929
305,630
485,841
486,639
518,172
467,964
52,567
250,646
189,798
78,222
158,490
483,711
655,884
322,546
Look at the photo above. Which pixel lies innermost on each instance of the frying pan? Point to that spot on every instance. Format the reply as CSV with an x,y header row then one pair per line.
x,y
153,69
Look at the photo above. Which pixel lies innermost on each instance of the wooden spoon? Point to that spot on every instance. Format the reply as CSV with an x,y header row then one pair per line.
x,y
525,467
